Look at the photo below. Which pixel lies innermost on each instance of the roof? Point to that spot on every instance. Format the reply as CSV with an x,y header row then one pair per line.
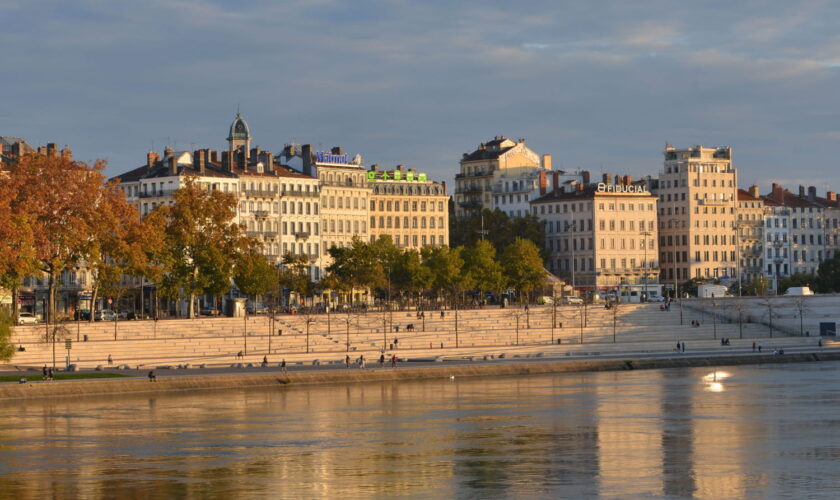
x,y
744,195
239,128
212,170
787,199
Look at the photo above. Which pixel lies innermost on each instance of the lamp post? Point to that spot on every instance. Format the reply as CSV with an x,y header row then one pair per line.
x,y
737,226
645,235
573,226
675,222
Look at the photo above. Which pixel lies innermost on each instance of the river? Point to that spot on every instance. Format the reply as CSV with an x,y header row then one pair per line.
x,y
736,432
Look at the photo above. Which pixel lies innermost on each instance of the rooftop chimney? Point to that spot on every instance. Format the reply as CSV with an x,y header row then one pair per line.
x,y
585,176
607,179
336,150
627,180
556,182
801,191
151,159
52,150
546,162
67,153
200,161
831,195
754,191
214,156
173,165
812,193
227,162
306,155
543,181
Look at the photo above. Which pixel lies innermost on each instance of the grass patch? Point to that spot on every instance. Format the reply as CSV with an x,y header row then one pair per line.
x,y
60,376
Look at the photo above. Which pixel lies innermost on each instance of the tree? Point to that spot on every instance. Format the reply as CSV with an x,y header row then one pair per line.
x,y
6,321
523,266
359,265
445,267
483,269
121,245
201,242
253,274
758,286
60,201
294,275
468,230
828,275
409,275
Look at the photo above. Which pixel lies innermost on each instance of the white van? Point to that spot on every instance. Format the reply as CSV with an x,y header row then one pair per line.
x,y
799,290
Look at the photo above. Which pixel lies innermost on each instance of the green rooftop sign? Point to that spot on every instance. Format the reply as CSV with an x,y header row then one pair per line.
x,y
396,175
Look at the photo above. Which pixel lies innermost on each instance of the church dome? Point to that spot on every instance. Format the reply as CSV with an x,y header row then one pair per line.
x,y
239,128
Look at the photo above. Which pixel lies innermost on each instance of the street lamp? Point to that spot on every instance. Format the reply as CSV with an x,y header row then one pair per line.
x,y
675,222
645,235
573,226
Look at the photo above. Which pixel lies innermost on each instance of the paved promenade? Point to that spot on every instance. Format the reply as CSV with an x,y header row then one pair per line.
x,y
185,345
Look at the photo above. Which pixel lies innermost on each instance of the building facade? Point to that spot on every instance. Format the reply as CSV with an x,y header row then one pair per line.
x,y
697,203
492,166
409,207
602,237
750,230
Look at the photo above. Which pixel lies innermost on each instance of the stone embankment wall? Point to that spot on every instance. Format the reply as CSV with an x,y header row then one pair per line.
x,y
140,385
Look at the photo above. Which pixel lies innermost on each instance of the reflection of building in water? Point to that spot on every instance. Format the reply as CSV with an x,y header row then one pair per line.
x,y
629,446
677,439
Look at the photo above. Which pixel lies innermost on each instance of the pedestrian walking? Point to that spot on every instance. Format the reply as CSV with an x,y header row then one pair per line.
x,y
152,376
265,361
759,347
110,360
442,314
393,361
347,361
683,347
283,365
362,362
44,372
49,373
381,360
678,347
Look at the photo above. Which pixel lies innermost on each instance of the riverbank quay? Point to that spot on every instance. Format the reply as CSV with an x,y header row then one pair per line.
x,y
223,379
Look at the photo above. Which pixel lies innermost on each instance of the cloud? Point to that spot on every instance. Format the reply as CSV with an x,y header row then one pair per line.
x,y
422,82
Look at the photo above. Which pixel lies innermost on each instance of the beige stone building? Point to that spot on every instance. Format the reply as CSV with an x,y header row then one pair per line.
x,y
489,167
344,197
602,237
750,230
697,204
410,208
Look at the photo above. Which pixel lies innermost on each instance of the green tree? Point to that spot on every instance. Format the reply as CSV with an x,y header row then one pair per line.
x,y
445,268
498,229
409,276
253,274
758,286
484,271
358,265
828,275
201,243
294,275
6,321
523,265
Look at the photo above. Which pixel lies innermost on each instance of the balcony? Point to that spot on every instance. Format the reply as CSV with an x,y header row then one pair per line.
x,y
264,193
476,174
260,214
713,203
468,190
301,235
158,193
298,192
470,204
263,234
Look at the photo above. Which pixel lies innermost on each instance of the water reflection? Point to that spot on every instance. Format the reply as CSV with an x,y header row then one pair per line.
x,y
650,434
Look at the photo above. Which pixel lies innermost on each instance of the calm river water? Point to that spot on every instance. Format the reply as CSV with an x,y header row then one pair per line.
x,y
748,432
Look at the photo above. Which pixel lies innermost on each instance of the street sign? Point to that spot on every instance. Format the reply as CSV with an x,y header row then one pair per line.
x,y
68,344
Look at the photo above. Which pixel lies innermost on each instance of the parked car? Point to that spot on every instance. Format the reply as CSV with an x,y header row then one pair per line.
x,y
106,315
82,315
257,308
26,318
209,311
574,301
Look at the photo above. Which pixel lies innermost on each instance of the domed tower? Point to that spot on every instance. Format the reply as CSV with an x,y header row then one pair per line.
x,y
239,137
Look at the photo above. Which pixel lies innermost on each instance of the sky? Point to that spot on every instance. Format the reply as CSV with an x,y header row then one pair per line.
x,y
598,85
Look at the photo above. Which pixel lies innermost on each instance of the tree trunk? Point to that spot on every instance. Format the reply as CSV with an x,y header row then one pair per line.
x,y
190,311
93,296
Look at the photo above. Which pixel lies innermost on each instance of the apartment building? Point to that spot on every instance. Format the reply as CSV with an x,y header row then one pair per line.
x,y
697,191
602,237
409,207
494,165
750,230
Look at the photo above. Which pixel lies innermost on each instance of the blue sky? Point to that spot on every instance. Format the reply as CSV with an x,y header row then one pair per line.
x,y
599,85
